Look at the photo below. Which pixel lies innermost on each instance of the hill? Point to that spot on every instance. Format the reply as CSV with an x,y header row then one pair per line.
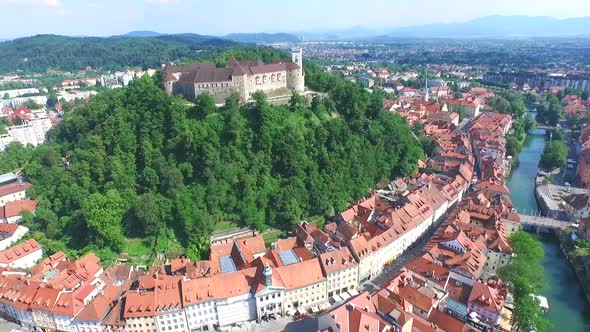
x,y
262,38
142,34
143,172
498,27
42,52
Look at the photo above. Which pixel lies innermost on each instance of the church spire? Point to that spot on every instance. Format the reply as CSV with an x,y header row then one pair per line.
x,y
425,85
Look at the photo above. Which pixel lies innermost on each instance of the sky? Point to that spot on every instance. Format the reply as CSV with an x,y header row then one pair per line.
x,y
112,17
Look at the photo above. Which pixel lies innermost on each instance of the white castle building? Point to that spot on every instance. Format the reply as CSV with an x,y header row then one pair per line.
x,y
242,77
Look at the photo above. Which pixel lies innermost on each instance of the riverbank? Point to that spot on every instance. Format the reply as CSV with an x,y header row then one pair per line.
x,y
580,266
569,310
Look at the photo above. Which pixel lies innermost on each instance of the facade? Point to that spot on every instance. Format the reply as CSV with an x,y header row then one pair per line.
x,y
30,132
11,211
243,77
341,271
13,191
269,295
487,300
10,233
24,255
303,290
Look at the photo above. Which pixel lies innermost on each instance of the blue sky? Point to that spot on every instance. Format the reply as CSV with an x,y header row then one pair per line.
x,y
111,17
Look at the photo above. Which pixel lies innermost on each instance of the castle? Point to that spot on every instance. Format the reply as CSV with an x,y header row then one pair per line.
x,y
243,77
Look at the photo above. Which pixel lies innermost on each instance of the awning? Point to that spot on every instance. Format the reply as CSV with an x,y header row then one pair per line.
x,y
291,312
337,298
345,295
353,292
325,306
315,309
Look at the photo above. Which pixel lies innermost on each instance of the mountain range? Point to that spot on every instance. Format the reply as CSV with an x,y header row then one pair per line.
x,y
498,27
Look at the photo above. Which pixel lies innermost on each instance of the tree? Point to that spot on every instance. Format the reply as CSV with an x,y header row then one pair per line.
x,y
103,214
501,105
557,134
585,94
513,146
428,145
529,123
295,101
145,217
524,276
554,155
204,106
29,103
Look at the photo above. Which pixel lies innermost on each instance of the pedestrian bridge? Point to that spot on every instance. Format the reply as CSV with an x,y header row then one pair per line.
x,y
542,222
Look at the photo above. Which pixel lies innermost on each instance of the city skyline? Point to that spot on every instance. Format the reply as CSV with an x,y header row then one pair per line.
x,y
106,18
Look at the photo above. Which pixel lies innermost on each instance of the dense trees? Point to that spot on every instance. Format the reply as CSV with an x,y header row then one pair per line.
x,y
525,276
554,155
140,164
114,53
550,110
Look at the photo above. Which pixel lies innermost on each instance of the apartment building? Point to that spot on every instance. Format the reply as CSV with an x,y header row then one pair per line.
x,y
341,271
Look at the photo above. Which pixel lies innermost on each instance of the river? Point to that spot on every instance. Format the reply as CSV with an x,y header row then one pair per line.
x,y
568,309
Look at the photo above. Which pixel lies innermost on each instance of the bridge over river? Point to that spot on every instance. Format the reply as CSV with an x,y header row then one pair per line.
x,y
542,222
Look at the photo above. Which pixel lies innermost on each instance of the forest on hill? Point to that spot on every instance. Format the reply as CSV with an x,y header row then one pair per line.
x,y
135,167
37,54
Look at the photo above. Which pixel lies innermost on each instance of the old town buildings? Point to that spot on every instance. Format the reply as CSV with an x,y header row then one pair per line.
x,y
450,284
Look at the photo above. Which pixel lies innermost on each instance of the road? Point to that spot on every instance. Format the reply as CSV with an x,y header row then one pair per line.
x,y
407,256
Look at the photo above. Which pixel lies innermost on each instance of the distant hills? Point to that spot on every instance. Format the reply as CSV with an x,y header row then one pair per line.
x,y
42,52
498,27
264,38
142,34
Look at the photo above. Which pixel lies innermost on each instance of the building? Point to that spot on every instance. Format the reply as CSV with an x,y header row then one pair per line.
x,y
13,191
22,256
10,213
577,205
302,290
10,233
198,299
30,132
487,300
242,77
269,293
341,271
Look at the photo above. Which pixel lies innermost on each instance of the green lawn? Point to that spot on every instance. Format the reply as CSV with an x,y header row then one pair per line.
x,y
224,226
271,237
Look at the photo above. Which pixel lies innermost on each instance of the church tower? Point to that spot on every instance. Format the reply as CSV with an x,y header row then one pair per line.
x,y
267,275
426,87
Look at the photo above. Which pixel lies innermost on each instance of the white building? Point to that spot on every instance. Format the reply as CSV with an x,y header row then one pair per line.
x,y
341,271
10,233
303,290
22,256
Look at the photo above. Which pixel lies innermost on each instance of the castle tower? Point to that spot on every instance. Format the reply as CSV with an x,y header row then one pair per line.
x,y
297,53
297,56
295,76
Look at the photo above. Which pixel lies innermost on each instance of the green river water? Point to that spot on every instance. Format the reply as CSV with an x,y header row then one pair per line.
x,y
568,309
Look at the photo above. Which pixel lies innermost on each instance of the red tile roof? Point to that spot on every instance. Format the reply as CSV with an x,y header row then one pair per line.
x,y
13,209
12,188
293,278
19,251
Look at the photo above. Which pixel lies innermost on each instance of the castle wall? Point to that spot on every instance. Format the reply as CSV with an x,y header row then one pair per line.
x,y
266,82
218,90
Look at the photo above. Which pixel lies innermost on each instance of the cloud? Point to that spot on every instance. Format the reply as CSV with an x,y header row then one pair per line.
x,y
50,3
161,2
